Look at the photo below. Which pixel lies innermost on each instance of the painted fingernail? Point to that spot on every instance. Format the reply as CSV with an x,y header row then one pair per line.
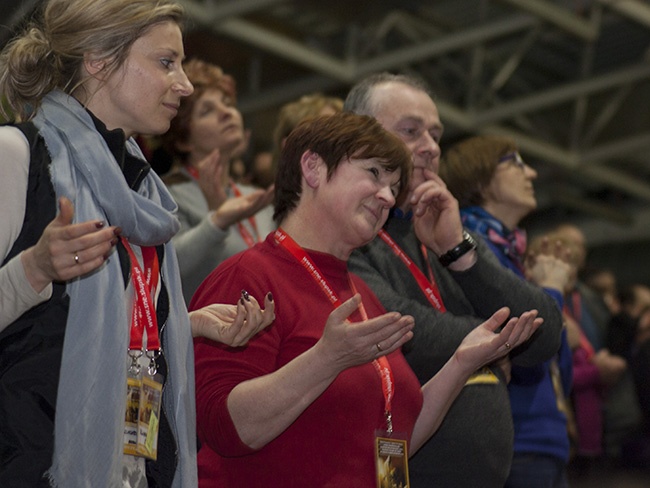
x,y
269,295
114,241
245,295
99,225
241,300
117,231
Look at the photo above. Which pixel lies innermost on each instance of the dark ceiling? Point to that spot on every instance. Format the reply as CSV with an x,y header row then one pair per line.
x,y
569,80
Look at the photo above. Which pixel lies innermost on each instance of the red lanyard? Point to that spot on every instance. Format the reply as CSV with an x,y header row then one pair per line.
x,y
144,312
193,171
243,231
428,286
576,314
381,364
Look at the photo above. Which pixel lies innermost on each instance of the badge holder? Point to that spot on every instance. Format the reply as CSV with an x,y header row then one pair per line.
x,y
133,388
391,457
149,417
144,391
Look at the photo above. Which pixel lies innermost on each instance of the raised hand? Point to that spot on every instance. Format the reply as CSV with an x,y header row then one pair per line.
x,y
66,250
353,343
484,345
235,209
436,218
211,179
550,266
233,325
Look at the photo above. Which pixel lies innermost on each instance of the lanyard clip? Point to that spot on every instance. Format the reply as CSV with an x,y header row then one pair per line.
x,y
389,422
152,369
134,367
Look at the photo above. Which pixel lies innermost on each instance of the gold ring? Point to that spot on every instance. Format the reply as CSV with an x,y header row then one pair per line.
x,y
379,347
76,258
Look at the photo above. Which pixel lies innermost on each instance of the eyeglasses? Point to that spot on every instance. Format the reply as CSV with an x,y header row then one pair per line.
x,y
513,158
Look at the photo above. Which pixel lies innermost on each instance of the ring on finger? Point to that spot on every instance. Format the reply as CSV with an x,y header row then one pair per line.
x,y
507,344
76,258
379,349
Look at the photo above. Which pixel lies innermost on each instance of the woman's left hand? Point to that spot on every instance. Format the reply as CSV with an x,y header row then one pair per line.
x,y
233,325
483,345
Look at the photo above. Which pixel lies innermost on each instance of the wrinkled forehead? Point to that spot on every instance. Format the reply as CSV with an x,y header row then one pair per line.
x,y
399,101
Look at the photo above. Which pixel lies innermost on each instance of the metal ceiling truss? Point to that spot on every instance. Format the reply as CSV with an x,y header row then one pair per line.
x,y
485,109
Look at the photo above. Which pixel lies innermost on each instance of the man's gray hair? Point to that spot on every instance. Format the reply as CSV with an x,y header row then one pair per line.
x,y
359,98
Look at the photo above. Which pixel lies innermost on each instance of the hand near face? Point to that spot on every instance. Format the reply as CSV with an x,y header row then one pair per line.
x,y
436,217
239,208
483,345
66,250
233,325
211,179
350,344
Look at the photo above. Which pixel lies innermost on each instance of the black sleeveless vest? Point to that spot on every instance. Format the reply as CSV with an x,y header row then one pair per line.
x,y
31,347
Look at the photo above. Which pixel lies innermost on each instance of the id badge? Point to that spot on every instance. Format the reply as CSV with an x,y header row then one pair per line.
x,y
148,420
483,376
391,460
133,386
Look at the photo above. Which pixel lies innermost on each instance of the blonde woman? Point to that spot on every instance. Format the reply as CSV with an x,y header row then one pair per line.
x,y
77,287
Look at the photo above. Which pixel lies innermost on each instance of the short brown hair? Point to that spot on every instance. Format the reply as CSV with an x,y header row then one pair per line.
x,y
468,167
336,138
204,76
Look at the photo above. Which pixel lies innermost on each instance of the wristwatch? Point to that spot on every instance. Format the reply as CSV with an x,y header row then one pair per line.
x,y
466,245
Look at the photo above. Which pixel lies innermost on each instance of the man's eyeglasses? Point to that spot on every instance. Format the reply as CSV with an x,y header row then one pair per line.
x,y
513,158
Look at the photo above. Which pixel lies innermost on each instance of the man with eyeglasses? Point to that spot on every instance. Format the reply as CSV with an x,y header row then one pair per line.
x,y
426,265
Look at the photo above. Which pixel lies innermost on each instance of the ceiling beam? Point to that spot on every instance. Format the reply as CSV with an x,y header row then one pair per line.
x,y
560,17
564,93
209,12
633,9
345,70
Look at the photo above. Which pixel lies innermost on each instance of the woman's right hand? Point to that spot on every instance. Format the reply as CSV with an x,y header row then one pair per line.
x,y
66,250
550,267
354,343
239,208
211,179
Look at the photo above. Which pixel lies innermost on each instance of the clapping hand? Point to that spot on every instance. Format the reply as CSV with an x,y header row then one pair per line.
x,y
233,325
65,250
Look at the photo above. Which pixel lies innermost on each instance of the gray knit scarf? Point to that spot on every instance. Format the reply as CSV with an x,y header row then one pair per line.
x,y
90,405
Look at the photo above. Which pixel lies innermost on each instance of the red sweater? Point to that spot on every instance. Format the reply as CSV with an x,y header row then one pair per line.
x,y
332,442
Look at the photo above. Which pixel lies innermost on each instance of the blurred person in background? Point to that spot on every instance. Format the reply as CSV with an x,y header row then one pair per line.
x,y
218,217
495,191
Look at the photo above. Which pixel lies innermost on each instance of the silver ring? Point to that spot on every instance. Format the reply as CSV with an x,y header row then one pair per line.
x,y
507,344
76,258
379,347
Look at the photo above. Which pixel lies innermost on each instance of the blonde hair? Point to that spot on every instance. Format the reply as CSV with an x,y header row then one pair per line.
x,y
50,53
292,113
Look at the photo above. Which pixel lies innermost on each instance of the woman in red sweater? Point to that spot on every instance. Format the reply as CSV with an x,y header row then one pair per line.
x,y
320,396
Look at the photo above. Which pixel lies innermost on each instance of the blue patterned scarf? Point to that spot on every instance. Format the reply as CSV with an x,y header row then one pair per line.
x,y
511,243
